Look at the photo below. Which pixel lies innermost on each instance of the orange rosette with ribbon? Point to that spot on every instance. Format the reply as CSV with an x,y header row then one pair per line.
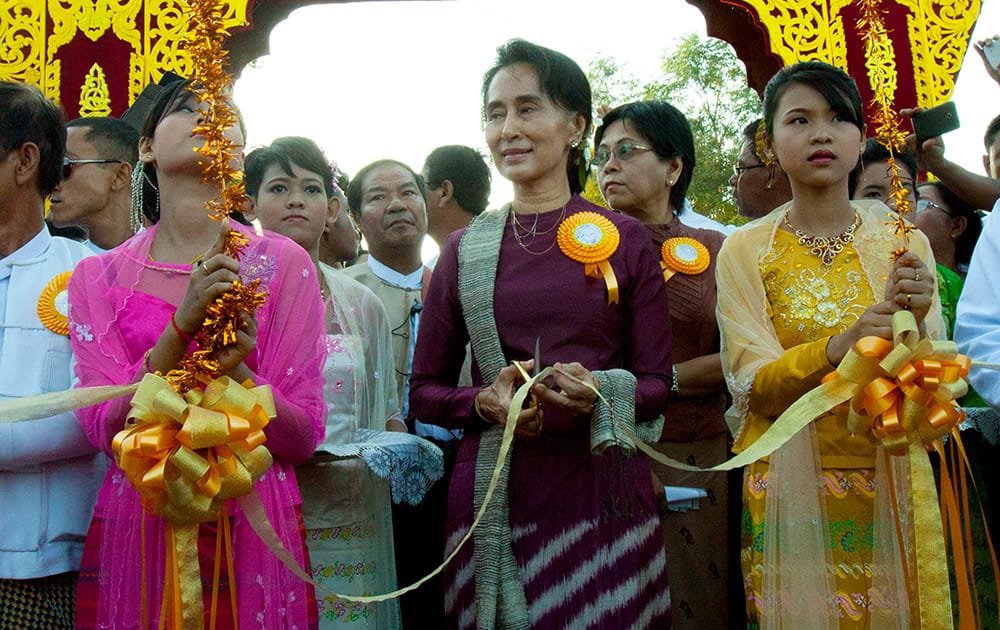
x,y
685,255
185,455
905,394
53,304
590,238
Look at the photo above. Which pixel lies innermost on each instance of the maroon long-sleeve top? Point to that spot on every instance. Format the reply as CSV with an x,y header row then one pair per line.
x,y
544,294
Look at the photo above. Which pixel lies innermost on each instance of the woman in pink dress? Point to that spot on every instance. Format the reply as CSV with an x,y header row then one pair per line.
x,y
134,310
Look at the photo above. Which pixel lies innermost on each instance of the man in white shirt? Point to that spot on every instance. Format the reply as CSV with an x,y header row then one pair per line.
x,y
977,318
49,472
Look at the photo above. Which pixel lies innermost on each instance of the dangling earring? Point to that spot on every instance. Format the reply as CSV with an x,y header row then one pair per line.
x,y
139,177
771,168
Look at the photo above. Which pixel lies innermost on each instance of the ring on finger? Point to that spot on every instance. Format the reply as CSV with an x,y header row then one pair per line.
x,y
916,276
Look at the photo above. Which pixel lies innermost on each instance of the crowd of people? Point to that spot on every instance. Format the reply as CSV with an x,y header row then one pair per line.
x,y
394,378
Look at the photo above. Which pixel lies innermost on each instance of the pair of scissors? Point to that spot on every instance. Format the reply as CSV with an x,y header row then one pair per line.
x,y
538,357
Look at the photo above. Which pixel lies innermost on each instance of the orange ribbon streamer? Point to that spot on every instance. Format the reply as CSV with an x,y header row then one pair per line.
x,y
185,455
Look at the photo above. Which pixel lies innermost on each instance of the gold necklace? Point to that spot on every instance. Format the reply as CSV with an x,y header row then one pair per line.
x,y
533,233
826,248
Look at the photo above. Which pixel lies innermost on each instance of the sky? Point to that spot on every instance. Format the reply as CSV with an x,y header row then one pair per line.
x,y
371,80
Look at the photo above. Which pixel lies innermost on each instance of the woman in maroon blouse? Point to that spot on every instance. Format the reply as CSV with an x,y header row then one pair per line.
x,y
645,158
572,539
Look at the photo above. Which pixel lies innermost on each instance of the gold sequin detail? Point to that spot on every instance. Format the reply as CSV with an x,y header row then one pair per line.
x,y
808,299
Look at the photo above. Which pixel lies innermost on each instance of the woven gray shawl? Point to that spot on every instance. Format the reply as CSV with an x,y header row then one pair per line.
x,y
500,599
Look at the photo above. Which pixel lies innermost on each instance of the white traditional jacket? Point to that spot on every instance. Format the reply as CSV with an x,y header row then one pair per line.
x,y
49,472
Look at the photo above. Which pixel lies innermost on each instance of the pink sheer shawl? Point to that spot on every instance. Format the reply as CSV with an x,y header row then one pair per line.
x,y
119,304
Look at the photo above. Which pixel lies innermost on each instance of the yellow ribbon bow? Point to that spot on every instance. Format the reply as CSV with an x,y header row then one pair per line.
x,y
185,455
908,387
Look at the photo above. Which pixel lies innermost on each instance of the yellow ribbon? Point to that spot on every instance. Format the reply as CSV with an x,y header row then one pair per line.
x,y
591,238
907,388
185,455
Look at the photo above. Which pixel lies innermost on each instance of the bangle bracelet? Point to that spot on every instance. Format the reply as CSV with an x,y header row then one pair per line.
x,y
674,387
145,361
180,333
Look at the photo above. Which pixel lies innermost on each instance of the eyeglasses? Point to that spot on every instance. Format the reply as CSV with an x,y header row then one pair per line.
x,y
68,164
924,204
624,152
739,169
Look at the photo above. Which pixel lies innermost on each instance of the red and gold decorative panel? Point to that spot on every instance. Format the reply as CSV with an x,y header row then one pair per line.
x,y
928,40
95,56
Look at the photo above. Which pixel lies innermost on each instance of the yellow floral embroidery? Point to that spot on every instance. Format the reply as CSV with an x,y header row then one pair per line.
x,y
808,299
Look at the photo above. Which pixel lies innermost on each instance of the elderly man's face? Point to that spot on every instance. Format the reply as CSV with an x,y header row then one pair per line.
x,y
393,213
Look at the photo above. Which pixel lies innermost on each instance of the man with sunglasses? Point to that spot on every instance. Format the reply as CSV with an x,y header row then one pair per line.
x,y
49,472
94,192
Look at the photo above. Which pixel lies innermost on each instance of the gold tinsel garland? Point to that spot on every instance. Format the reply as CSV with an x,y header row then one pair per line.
x,y
880,63
211,83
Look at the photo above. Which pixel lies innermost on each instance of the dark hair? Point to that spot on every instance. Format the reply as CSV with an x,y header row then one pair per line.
x,y
285,152
167,101
467,171
666,129
837,88
355,191
957,207
112,137
991,133
875,152
26,115
561,79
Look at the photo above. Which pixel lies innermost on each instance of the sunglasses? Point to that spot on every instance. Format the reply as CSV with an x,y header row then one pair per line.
x,y
68,164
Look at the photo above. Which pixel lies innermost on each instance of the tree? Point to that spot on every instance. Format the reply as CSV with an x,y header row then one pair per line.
x,y
704,79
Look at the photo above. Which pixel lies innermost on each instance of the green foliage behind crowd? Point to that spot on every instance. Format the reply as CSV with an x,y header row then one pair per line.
x,y
703,78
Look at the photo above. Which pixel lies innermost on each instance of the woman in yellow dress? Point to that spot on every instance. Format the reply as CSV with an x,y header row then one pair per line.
x,y
797,289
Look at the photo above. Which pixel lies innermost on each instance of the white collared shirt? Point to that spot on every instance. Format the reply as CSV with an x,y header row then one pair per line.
x,y
49,471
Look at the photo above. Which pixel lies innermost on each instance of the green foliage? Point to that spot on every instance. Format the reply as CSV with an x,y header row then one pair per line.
x,y
703,78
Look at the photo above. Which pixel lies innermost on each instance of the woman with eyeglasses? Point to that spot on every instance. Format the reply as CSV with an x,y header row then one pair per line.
x,y
572,538
952,226
645,159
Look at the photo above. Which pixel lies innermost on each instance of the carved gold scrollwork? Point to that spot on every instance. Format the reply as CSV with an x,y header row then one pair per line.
x,y
800,30
95,98
22,40
93,18
155,29
939,35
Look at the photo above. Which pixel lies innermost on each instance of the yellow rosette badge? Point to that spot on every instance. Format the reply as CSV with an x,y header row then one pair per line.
x,y
53,304
683,255
590,238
